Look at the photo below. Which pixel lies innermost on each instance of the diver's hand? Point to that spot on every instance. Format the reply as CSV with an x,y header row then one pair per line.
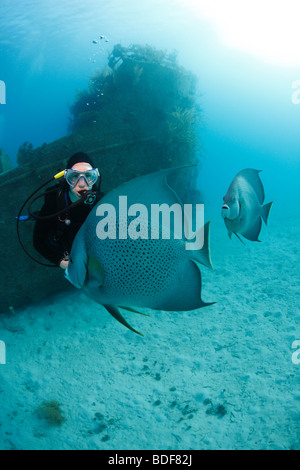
x,y
64,264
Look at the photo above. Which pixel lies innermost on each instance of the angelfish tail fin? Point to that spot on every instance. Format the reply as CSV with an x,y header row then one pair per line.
x,y
265,211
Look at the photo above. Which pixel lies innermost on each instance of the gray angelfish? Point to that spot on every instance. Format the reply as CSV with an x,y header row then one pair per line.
x,y
243,206
125,273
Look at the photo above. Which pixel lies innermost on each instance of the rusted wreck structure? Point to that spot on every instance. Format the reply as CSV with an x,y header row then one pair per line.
x,y
136,116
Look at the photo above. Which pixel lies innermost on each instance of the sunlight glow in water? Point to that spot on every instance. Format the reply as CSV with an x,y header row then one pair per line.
x,y
267,29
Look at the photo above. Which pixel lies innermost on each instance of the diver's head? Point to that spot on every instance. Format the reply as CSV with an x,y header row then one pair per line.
x,y
81,174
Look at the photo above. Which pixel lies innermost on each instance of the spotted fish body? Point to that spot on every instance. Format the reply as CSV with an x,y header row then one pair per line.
x,y
154,273
243,207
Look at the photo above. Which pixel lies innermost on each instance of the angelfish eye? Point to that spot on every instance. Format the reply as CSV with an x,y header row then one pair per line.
x,y
71,260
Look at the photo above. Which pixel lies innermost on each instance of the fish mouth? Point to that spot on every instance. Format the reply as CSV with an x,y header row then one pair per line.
x,y
225,210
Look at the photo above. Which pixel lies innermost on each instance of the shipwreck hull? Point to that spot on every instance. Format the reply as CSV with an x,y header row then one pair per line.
x,y
22,280
145,122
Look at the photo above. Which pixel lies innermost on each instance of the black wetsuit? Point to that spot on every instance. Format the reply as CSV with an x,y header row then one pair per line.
x,y
53,238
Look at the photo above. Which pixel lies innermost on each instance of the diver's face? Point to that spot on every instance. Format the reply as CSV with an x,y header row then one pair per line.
x,y
81,183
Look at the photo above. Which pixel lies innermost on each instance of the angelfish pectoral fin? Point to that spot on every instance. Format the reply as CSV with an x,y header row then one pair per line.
x,y
114,311
95,271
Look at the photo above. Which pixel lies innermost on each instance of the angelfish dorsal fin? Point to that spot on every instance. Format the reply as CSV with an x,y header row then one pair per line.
x,y
203,255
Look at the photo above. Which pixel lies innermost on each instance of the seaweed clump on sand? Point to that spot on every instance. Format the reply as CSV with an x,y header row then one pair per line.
x,y
215,410
143,94
50,412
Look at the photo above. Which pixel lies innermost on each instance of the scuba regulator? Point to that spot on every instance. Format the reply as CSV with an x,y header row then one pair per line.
x,y
87,197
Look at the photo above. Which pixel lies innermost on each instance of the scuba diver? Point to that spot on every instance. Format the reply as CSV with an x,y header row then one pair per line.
x,y
53,236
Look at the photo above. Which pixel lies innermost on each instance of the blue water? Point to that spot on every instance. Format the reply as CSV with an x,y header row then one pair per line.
x,y
249,120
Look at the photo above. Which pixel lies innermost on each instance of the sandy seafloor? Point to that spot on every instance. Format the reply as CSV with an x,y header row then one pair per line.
x,y
163,391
